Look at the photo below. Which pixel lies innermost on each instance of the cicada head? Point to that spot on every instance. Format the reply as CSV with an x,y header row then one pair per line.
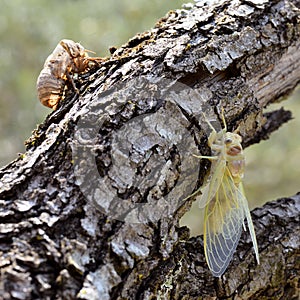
x,y
74,49
233,144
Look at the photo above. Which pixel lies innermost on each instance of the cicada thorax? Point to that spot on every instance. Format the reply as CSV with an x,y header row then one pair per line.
x,y
77,56
79,61
234,156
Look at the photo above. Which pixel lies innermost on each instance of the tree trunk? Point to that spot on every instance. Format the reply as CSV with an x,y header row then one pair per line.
x,y
91,210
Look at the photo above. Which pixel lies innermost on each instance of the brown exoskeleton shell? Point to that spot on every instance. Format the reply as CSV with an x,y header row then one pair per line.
x,y
67,59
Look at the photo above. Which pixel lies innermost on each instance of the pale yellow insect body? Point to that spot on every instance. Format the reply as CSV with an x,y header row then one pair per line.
x,y
223,197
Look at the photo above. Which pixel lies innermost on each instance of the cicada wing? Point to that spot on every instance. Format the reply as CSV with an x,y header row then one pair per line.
x,y
210,189
244,203
223,224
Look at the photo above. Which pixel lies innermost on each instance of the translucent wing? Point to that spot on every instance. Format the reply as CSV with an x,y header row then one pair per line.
x,y
210,189
244,202
223,223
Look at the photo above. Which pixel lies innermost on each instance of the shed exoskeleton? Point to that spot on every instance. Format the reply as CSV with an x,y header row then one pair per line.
x,y
67,59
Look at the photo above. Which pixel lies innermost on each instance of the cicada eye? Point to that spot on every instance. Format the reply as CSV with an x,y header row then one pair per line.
x,y
228,141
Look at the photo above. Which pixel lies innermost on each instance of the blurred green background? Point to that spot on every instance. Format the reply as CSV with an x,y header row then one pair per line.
x,y
30,30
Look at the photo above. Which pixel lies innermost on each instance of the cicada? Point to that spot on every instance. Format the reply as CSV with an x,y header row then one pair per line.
x,y
224,200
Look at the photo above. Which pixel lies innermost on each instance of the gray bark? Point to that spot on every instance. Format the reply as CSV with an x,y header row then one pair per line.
x,y
60,235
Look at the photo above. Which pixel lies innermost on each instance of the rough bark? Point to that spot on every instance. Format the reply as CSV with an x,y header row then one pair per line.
x,y
61,238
